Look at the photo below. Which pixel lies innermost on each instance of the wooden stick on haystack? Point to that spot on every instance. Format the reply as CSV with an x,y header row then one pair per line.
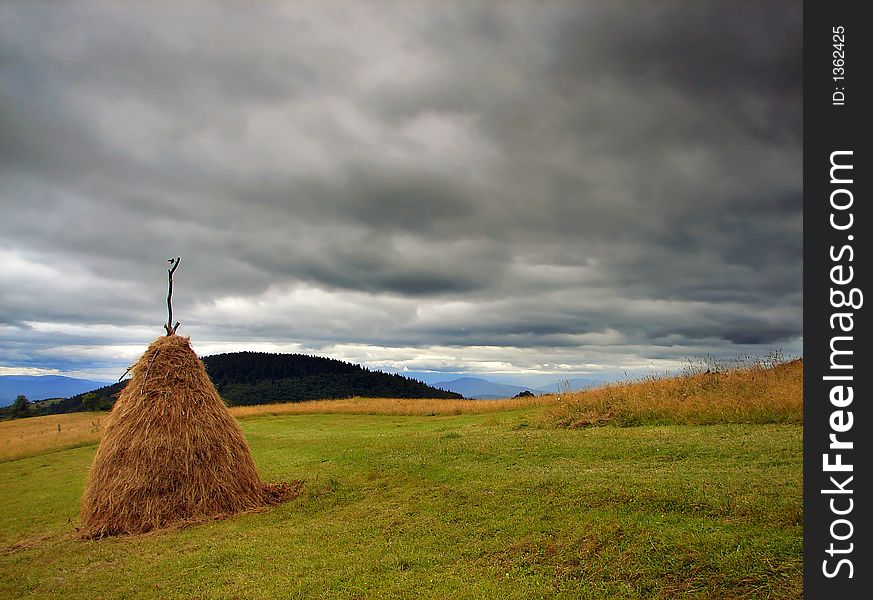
x,y
171,329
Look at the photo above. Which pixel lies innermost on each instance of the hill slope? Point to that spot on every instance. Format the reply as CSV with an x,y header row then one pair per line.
x,y
244,378
757,394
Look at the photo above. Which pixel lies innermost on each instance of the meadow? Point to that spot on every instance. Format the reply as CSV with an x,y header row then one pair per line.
x,y
688,488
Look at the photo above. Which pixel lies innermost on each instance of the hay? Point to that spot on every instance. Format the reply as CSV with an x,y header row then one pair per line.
x,y
171,452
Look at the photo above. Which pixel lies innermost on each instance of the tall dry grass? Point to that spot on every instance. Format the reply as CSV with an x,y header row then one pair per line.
x,y
25,437
756,394
391,406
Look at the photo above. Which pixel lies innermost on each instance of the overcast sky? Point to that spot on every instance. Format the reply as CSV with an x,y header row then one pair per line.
x,y
510,188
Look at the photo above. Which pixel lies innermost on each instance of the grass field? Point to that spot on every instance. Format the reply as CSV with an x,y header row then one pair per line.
x,y
506,504
752,395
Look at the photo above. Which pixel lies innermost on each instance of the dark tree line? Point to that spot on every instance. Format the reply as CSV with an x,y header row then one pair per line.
x,y
262,378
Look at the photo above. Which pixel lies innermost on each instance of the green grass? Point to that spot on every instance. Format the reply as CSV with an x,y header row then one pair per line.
x,y
470,506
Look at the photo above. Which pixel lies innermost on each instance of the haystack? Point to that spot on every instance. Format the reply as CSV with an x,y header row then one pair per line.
x,y
171,453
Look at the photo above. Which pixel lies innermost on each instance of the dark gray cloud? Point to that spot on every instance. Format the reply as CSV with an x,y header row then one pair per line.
x,y
493,186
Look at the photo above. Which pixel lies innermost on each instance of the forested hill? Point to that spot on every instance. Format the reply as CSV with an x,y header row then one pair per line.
x,y
262,378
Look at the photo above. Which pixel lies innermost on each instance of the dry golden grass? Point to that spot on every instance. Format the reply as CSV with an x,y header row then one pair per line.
x,y
391,406
25,437
747,395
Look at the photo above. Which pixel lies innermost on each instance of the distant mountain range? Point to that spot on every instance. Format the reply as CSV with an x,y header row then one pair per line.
x,y
485,389
481,389
41,387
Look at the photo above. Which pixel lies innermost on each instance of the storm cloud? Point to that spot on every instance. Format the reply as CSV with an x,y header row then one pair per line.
x,y
512,187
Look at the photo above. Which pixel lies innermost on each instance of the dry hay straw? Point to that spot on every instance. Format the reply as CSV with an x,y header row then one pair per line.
x,y
171,453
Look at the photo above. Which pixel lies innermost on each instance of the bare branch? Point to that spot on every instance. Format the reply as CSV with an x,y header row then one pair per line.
x,y
169,326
